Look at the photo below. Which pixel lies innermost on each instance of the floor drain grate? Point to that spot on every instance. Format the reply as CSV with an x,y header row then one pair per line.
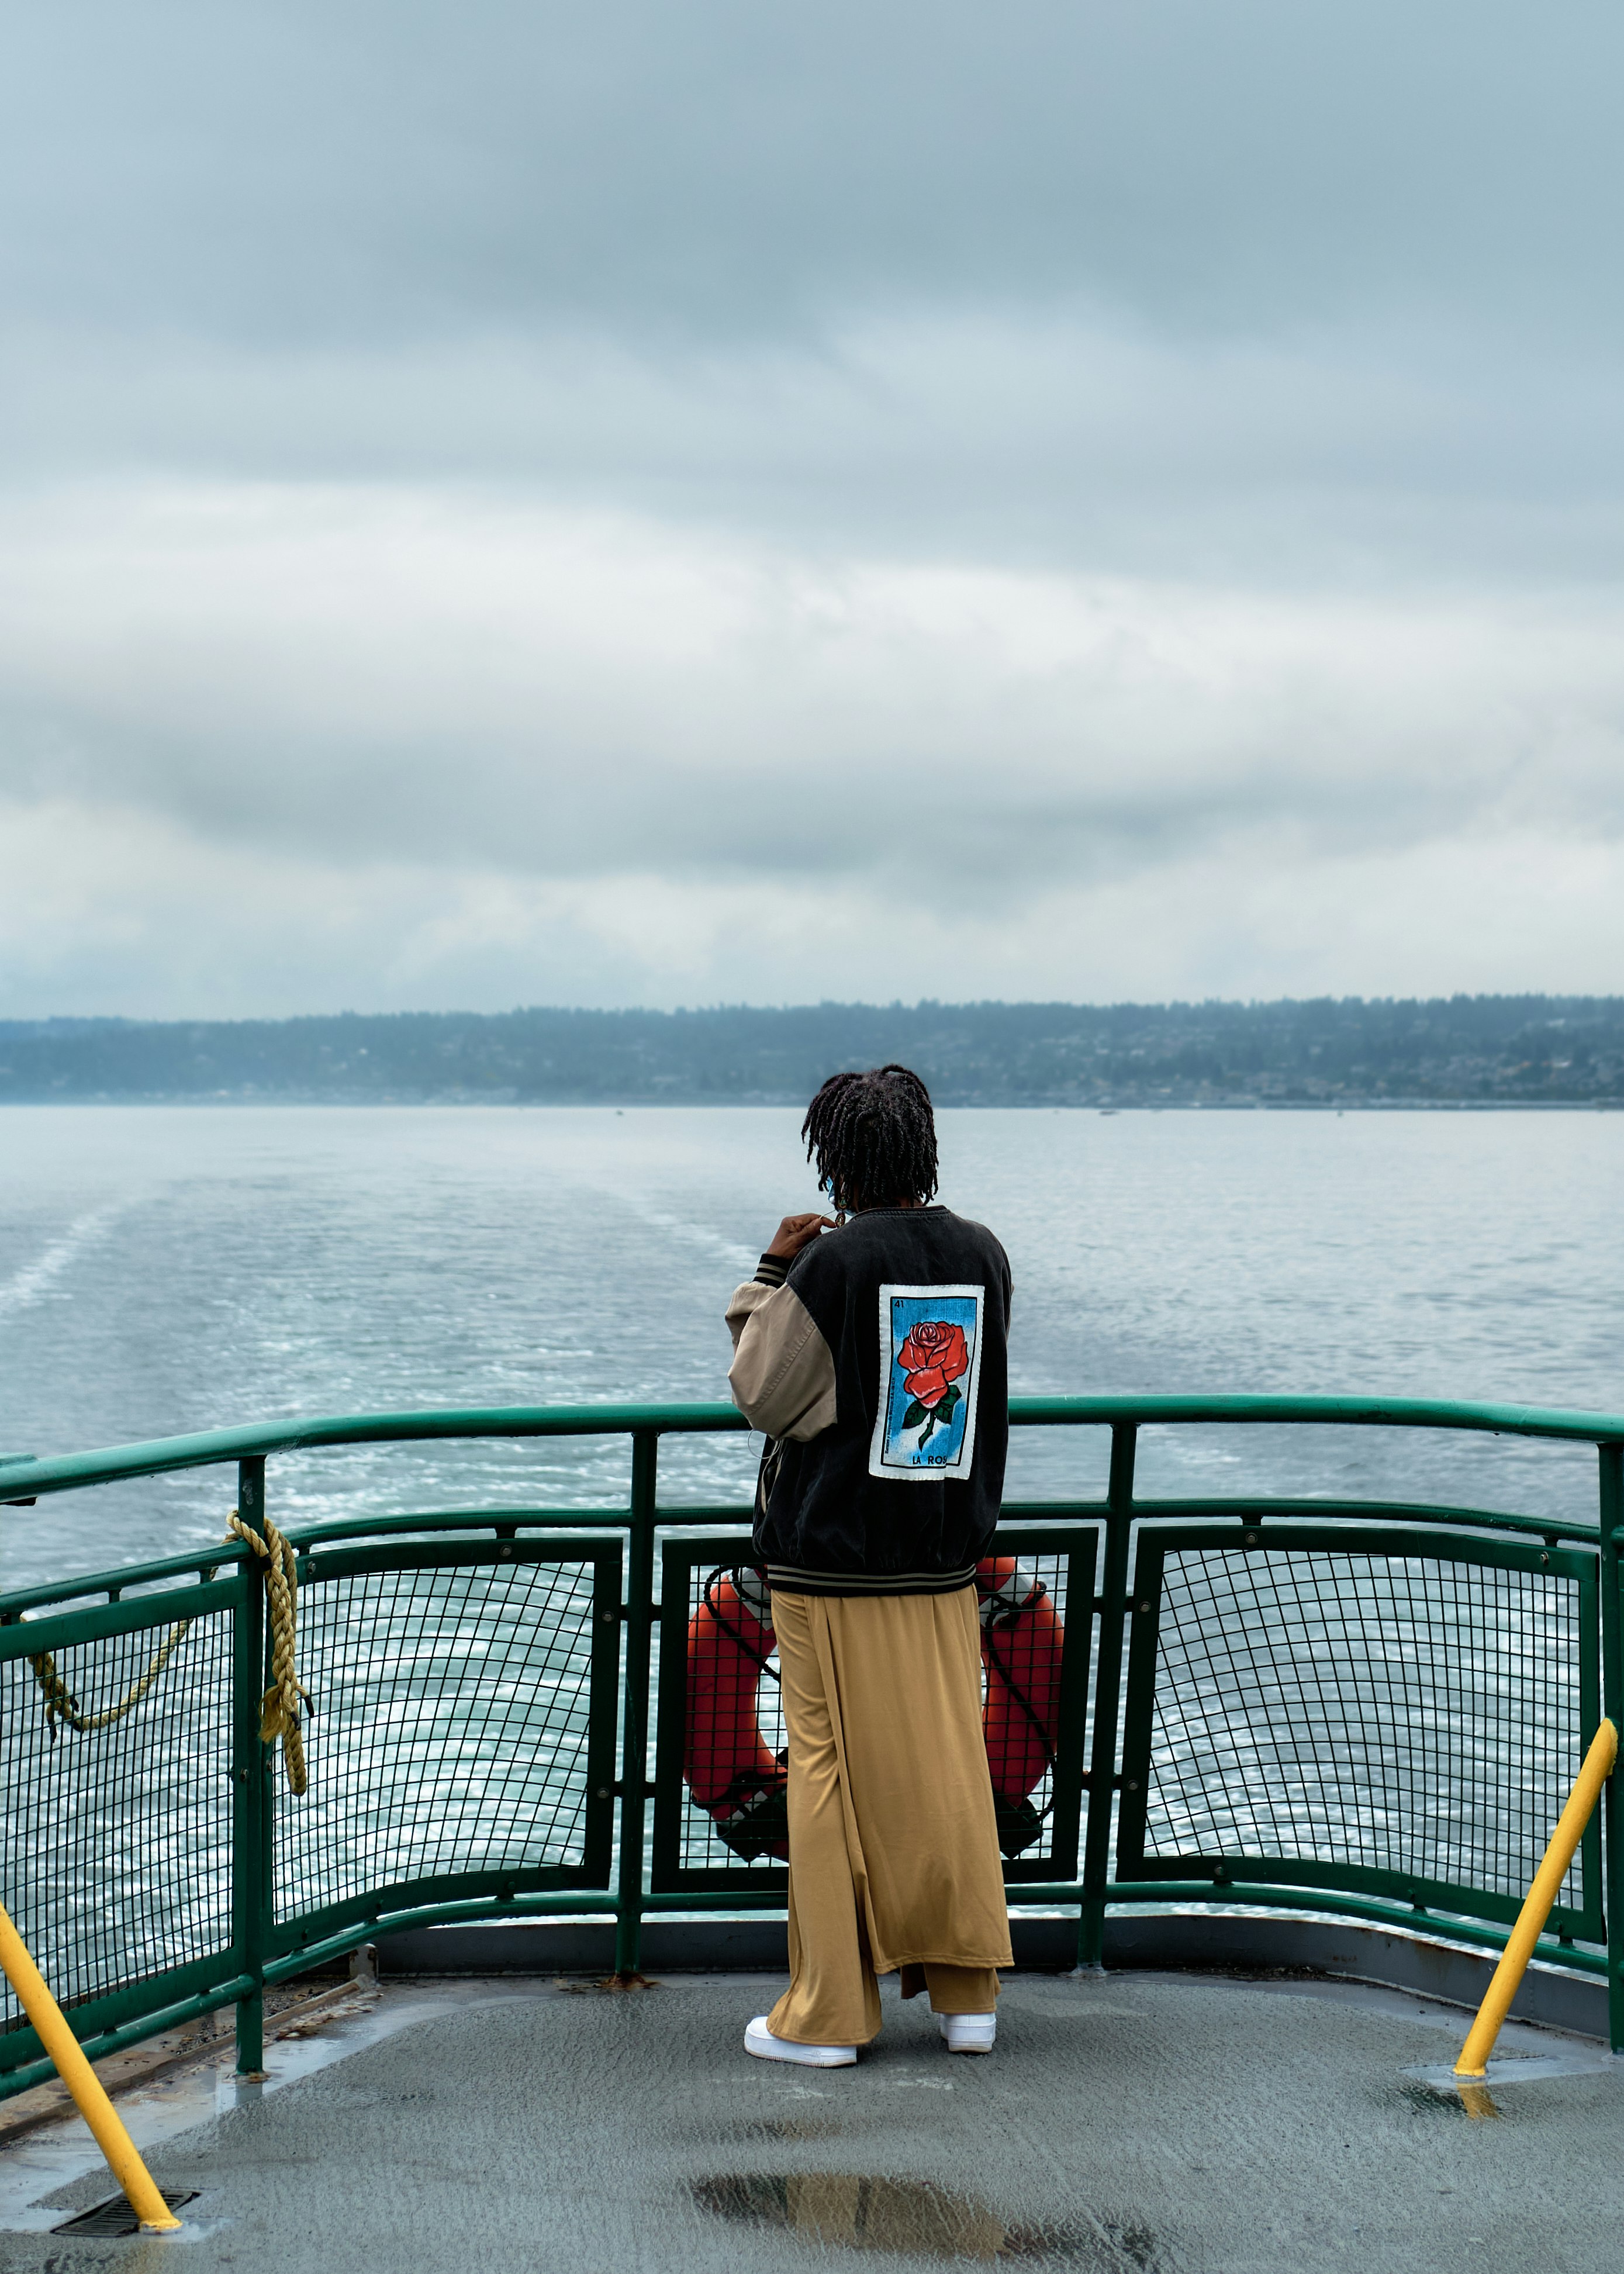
x,y
115,2215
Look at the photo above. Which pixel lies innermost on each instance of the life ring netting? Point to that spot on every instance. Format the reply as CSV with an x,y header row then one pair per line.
x,y
734,1775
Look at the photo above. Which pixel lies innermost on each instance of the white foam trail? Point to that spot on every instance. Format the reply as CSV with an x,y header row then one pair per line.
x,y
695,1235
27,1285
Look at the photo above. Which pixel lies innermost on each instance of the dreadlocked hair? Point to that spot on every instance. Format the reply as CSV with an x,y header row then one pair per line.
x,y
874,1137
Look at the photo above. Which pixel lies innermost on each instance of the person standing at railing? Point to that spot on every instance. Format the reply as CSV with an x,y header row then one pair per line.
x,y
871,1349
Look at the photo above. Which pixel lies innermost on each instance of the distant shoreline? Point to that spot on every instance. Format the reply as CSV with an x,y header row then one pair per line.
x,y
373,1101
1459,1053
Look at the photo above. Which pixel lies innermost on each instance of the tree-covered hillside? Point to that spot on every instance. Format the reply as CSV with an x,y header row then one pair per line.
x,y
1473,1050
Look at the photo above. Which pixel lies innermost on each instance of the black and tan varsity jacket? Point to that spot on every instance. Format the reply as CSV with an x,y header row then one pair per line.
x,y
876,1364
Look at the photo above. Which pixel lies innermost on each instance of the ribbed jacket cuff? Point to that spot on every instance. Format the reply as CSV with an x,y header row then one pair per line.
x,y
772,1270
791,1579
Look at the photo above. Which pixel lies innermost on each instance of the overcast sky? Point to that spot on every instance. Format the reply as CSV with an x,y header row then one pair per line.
x,y
647,504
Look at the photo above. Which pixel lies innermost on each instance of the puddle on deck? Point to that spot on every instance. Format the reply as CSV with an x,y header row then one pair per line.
x,y
1461,2099
850,2210
1433,2089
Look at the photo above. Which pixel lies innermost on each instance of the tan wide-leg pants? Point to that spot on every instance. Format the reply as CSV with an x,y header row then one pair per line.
x,y
893,1853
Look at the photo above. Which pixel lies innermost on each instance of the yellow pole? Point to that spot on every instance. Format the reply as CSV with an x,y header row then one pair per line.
x,y
1537,1910
82,2082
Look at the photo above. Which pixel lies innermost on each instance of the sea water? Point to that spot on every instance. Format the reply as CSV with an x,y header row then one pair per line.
x,y
172,1269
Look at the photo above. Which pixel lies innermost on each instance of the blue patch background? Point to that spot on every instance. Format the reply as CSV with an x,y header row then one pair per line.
x,y
901,1447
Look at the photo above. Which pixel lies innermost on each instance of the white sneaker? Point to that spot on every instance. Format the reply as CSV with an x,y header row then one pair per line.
x,y
759,2040
969,2033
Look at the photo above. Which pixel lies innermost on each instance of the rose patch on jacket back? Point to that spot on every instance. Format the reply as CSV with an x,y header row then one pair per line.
x,y
930,1356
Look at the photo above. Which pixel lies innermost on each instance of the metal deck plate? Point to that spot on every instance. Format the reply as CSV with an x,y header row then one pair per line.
x,y
115,2215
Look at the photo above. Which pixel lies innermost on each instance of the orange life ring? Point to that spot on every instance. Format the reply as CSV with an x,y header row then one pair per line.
x,y
1023,1644
729,1768
743,1786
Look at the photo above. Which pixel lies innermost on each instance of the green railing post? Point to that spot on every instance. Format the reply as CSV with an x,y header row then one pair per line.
x,y
1106,1697
634,1787
249,1793
1612,1462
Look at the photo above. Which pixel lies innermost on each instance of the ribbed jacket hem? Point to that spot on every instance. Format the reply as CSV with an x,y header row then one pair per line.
x,y
793,1581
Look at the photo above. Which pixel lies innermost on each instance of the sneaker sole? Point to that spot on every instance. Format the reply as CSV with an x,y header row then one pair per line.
x,y
801,2060
804,2056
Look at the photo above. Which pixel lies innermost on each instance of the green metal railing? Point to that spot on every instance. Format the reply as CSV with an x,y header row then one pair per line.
x,y
1368,1709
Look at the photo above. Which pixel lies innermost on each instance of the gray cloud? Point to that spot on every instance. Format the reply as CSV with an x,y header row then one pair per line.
x,y
1163,287
341,171
1126,496
570,695
1069,438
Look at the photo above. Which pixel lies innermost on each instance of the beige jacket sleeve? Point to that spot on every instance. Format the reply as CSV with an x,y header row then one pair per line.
x,y
782,1374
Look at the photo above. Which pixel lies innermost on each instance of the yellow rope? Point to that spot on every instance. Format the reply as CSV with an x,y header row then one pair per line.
x,y
279,1715
62,1706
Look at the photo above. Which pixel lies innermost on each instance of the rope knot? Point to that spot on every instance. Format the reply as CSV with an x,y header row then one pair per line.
x,y
279,1712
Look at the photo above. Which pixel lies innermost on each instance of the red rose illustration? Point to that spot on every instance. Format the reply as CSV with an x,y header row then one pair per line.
x,y
933,1355
932,1360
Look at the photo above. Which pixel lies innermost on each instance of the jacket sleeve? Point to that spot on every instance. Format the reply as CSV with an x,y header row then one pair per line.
x,y
782,1374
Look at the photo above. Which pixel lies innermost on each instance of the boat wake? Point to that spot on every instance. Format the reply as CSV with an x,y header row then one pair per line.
x,y
35,1280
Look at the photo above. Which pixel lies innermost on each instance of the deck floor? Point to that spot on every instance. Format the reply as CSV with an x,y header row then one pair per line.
x,y
1129,2124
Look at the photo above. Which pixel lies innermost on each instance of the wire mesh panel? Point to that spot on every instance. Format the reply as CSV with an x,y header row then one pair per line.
x,y
721,1729
721,1777
116,1787
1036,1602
463,1732
1406,1714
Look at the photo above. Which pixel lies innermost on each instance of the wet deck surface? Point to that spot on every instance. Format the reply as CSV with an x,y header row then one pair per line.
x,y
1128,2125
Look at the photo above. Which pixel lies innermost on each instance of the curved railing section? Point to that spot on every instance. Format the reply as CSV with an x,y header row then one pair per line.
x,y
1370,1709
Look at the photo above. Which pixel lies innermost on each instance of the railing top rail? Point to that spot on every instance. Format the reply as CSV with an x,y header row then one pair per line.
x,y
63,1472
